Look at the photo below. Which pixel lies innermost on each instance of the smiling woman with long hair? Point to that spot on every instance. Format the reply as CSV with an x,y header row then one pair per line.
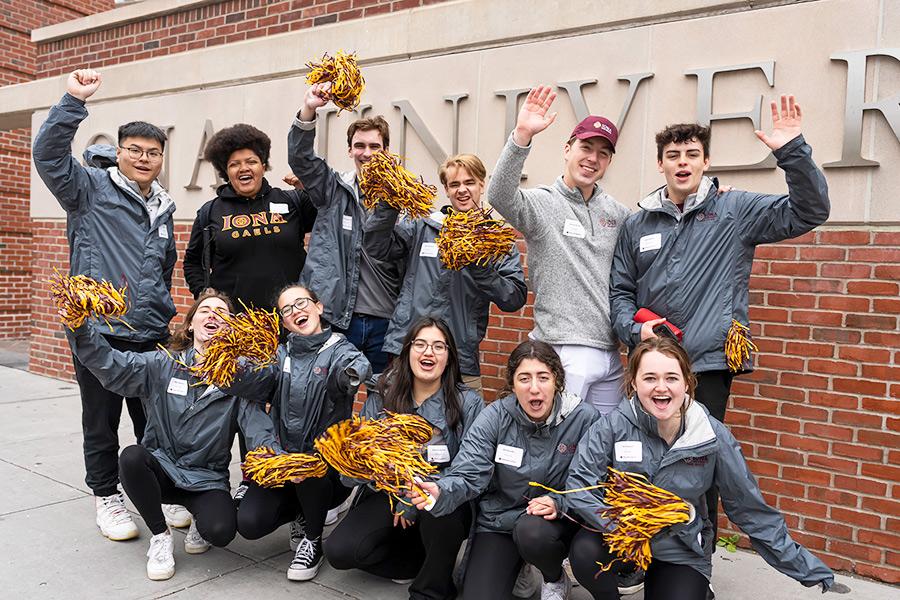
x,y
184,455
408,544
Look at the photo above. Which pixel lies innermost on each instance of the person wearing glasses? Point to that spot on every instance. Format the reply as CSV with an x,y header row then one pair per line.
x,y
461,298
405,544
186,449
247,219
312,385
119,227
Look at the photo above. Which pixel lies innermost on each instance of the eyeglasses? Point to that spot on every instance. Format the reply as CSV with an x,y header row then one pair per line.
x,y
299,304
421,346
136,153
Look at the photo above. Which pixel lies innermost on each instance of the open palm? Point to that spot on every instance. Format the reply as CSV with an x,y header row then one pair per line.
x,y
785,123
533,117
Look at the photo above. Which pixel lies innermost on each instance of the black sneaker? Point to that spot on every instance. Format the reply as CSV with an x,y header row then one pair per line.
x,y
630,582
298,531
307,560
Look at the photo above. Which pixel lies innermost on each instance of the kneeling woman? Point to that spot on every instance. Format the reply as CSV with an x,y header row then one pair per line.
x,y
660,432
408,544
184,455
314,383
528,435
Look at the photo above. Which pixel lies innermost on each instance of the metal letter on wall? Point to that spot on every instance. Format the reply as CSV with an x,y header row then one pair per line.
x,y
705,114
576,96
208,132
409,115
454,99
512,108
856,105
634,82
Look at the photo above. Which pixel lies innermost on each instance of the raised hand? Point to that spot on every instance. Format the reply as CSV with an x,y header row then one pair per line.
x,y
533,117
317,96
785,124
83,83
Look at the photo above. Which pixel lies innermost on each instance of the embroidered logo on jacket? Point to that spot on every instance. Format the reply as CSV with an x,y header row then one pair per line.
x,y
320,371
707,216
567,449
254,224
604,222
696,461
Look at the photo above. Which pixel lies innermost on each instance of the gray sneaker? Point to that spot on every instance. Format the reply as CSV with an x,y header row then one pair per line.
x,y
194,542
558,590
527,583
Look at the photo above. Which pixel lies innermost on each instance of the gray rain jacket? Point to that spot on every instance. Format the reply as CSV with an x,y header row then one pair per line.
x,y
461,298
705,454
336,242
504,450
433,411
314,382
694,268
110,233
190,427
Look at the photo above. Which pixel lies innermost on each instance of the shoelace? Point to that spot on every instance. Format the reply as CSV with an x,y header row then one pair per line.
x,y
115,508
305,553
159,548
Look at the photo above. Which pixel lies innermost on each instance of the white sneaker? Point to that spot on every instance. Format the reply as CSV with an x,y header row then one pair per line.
x,y
559,590
161,557
298,531
335,513
113,518
176,515
240,492
527,582
194,542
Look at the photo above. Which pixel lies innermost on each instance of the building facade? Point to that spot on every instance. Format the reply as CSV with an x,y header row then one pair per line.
x,y
819,419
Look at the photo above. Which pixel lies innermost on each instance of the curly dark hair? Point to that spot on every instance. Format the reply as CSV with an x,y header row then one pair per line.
x,y
681,133
540,351
226,142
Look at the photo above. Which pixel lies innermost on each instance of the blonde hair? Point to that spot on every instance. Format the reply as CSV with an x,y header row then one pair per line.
x,y
469,162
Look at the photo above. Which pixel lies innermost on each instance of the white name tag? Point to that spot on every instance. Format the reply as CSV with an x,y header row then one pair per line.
x,y
509,455
278,207
287,364
428,249
163,232
348,222
438,453
651,242
178,386
572,228
629,452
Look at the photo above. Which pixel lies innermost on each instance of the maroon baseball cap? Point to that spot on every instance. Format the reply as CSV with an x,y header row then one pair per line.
x,y
594,126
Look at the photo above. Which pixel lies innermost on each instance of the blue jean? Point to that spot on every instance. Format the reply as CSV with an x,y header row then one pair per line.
x,y
367,334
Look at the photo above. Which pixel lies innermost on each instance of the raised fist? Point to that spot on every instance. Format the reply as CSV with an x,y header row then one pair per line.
x,y
83,83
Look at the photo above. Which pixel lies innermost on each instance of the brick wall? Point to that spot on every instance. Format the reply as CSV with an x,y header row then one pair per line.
x,y
18,63
818,419
202,27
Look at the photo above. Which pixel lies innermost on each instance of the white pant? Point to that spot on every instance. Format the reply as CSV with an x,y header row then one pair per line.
x,y
595,375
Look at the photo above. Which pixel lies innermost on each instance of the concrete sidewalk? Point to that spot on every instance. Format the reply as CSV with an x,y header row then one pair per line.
x,y
52,548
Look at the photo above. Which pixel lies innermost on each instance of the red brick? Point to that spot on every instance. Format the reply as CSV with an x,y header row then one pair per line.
x,y
802,507
881,372
840,465
799,442
859,386
855,550
839,336
845,270
777,423
776,252
882,573
874,254
844,238
770,283
864,354
882,506
887,472
813,476
833,367
886,305
855,517
886,238
828,529
804,411
873,288
791,300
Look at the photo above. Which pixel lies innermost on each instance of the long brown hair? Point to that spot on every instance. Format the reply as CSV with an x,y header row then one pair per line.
x,y
541,351
667,347
396,384
182,338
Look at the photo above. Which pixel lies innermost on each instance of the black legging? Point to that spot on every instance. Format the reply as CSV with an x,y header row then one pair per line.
x,y
368,540
495,558
148,486
713,389
263,510
664,580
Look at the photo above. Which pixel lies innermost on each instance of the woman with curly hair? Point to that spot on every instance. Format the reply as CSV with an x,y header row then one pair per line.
x,y
247,221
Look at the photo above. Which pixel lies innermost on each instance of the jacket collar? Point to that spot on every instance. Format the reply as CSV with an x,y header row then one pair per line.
x,y
696,428
659,201
132,189
299,345
227,191
574,194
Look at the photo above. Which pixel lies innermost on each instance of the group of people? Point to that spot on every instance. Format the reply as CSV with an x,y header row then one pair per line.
x,y
367,301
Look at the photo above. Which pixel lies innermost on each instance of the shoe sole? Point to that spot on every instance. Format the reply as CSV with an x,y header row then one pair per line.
x,y
119,538
196,549
161,575
178,524
303,574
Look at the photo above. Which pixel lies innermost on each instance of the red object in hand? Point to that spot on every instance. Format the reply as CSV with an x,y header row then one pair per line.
x,y
645,314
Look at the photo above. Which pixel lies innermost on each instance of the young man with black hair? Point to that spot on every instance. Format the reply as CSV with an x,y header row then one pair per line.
x,y
119,227
686,254
359,292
